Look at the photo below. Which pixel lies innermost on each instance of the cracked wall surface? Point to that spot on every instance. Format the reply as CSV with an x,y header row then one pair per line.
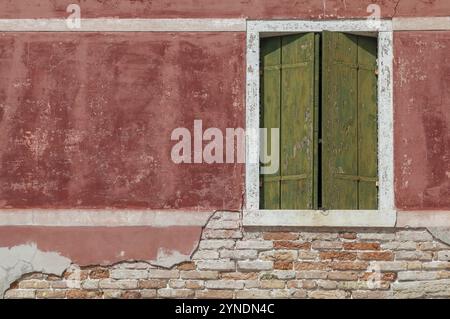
x,y
235,262
18,260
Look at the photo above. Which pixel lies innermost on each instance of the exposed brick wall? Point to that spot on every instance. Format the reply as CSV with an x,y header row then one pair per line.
x,y
232,262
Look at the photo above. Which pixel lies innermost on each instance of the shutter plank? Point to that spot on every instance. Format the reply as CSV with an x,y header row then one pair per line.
x,y
297,121
270,113
367,118
340,121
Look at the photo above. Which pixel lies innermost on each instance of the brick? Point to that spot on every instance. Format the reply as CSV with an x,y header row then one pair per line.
x,y
216,244
255,265
92,284
360,285
284,274
163,274
379,255
131,295
99,273
61,284
417,275
326,245
199,275
219,265
337,255
300,294
249,284
421,288
148,293
253,294
371,294
436,265
20,294
283,244
83,294
342,275
362,246
280,294
285,255
272,284
390,266
152,284
214,294
345,265
308,284
311,266
347,235
327,284
444,255
112,294
128,274
186,266
50,294
312,275
239,254
414,265
224,224
195,284
434,246
206,254
280,236
224,284
222,234
34,284
254,244
414,255
239,275
283,265
395,245
327,294
414,235
307,255
175,293
118,284
176,283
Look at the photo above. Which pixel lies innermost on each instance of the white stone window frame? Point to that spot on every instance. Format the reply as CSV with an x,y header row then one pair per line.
x,y
385,215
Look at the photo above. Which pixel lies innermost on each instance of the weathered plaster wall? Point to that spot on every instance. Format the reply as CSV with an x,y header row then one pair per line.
x,y
253,9
422,120
86,119
235,262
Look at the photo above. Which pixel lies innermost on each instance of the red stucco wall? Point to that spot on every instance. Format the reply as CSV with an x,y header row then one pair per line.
x,y
422,120
254,9
86,119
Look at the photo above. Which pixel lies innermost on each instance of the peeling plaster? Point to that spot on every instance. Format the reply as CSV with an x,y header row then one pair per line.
x,y
19,260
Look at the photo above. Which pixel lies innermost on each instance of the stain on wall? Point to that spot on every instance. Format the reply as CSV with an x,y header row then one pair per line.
x,y
422,120
254,9
86,119
165,246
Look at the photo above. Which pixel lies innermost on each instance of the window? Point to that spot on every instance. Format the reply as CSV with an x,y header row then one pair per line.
x,y
320,89
313,212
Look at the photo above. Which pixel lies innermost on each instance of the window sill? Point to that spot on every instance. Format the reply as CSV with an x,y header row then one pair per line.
x,y
317,218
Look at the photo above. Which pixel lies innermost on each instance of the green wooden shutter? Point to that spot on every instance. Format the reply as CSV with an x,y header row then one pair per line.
x,y
349,122
289,90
